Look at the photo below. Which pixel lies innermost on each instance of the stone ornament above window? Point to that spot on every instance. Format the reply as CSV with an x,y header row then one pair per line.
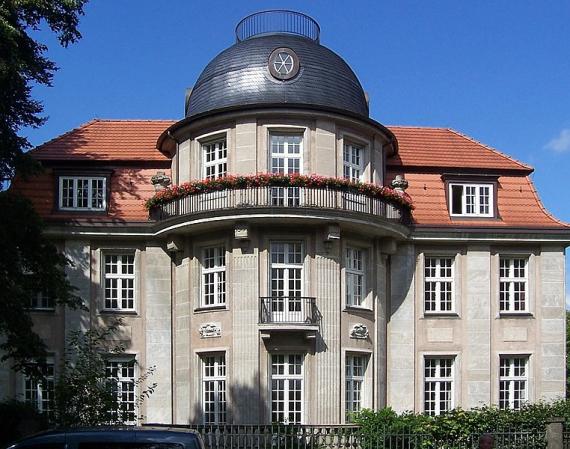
x,y
359,332
210,330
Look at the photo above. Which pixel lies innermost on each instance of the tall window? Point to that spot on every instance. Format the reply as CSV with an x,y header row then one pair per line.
x,y
287,388
355,276
513,284
513,382
82,193
215,156
286,158
438,284
214,389
438,385
214,276
122,373
352,157
471,199
355,368
41,393
119,281
286,281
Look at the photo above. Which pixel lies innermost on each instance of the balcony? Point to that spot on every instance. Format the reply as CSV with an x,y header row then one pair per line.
x,y
370,204
288,313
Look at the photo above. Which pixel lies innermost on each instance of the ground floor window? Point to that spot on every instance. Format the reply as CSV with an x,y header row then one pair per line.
x,y
513,382
40,393
214,389
438,384
122,374
354,384
286,388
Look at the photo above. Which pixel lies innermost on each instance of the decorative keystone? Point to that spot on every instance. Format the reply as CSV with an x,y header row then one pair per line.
x,y
160,181
399,183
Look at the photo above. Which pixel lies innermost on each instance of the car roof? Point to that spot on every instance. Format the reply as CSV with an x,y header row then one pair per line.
x,y
112,434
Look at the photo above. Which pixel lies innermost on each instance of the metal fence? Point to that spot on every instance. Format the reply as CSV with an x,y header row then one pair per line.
x,y
279,436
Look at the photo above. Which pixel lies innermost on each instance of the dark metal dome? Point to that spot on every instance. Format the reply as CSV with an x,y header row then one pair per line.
x,y
240,76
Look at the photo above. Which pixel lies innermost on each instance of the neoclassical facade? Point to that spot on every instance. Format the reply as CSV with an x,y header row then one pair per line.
x,y
279,294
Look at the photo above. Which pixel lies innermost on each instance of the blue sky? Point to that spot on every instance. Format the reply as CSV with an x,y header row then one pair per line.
x,y
498,70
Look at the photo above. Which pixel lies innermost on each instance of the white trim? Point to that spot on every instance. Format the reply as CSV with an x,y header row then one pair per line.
x,y
220,256
74,197
355,169
438,280
510,281
287,379
352,272
219,164
438,380
477,196
511,380
120,278
220,385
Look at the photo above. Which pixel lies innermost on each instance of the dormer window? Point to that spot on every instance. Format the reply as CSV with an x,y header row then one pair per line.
x,y
471,200
83,193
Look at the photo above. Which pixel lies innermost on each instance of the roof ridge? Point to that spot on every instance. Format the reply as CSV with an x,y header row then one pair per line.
x,y
494,150
416,127
135,120
541,205
71,131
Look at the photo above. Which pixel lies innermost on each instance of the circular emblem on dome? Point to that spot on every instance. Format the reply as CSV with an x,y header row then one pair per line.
x,y
283,63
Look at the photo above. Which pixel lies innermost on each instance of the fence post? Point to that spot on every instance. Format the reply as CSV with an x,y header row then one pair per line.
x,y
555,433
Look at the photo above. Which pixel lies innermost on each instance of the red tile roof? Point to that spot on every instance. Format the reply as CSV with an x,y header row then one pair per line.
x,y
443,147
424,154
104,140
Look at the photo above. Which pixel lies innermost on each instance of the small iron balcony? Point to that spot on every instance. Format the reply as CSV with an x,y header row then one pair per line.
x,y
288,310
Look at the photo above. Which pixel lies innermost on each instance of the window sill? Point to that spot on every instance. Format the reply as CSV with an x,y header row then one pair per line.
x,y
118,312
205,309
43,311
441,315
516,315
348,308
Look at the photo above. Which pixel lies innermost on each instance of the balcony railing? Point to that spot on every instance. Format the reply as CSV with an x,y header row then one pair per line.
x,y
277,21
288,310
290,198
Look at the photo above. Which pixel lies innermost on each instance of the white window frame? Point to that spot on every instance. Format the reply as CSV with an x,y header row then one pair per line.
x,y
286,155
352,273
219,163
128,363
510,282
120,279
511,380
38,393
353,171
287,379
355,385
219,274
439,281
477,200
218,381
438,381
75,180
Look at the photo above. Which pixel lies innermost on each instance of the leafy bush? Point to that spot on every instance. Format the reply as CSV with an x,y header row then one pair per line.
x,y
458,428
19,419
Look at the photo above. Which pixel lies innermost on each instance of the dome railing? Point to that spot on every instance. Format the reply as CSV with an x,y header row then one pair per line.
x,y
277,21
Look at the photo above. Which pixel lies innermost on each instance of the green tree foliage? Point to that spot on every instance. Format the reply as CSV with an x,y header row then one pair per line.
x,y
19,419
85,395
459,428
28,262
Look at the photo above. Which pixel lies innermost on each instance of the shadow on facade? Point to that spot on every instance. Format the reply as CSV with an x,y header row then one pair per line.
x,y
246,404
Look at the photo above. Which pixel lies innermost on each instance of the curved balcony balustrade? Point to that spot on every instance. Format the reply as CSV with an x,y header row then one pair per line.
x,y
279,201
297,314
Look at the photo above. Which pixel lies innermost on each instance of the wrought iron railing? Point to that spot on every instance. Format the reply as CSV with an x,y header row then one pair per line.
x,y
298,436
290,198
277,21
288,310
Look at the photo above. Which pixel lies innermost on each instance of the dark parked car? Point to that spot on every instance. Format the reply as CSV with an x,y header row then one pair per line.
x,y
113,438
